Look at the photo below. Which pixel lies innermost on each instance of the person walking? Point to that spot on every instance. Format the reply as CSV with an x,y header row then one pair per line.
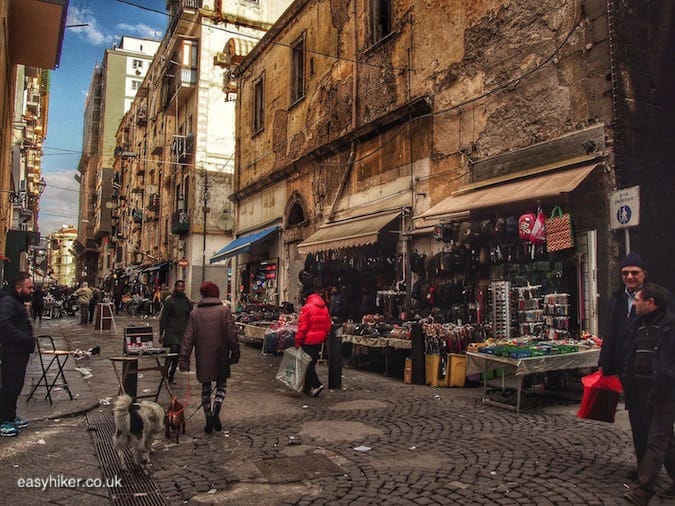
x,y
83,297
650,366
37,303
211,331
95,299
314,324
18,342
172,322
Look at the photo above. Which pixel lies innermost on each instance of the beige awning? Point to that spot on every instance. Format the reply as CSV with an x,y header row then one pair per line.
x,y
236,49
546,185
358,232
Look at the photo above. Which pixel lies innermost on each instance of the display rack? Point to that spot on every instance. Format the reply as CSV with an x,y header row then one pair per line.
x,y
500,293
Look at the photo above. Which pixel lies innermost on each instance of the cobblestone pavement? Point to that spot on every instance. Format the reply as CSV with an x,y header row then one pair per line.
x,y
377,440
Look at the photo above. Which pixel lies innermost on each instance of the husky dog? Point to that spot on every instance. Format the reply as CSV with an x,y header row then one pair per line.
x,y
136,424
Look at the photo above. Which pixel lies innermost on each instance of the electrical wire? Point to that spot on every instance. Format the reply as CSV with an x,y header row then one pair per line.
x,y
273,43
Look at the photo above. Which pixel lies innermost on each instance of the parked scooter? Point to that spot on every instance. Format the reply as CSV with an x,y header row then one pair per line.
x,y
72,305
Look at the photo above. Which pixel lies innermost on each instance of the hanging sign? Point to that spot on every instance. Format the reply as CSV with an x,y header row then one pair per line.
x,y
624,208
183,262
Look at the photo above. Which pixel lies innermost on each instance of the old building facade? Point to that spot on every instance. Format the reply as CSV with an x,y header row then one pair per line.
x,y
362,133
25,61
175,148
113,86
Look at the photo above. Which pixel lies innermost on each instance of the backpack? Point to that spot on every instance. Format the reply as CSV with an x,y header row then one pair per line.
x,y
526,226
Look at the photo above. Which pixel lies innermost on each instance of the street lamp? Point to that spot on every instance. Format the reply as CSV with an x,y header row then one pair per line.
x,y
41,185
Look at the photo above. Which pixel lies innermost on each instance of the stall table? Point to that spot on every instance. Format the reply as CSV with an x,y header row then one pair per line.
x,y
482,362
386,343
253,333
128,379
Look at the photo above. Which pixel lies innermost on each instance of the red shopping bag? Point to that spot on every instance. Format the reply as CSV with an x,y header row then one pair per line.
x,y
601,395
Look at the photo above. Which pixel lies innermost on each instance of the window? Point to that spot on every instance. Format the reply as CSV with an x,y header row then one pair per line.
x,y
258,105
380,15
135,84
298,69
137,64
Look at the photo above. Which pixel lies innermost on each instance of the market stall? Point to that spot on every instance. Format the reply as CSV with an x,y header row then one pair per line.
x,y
522,359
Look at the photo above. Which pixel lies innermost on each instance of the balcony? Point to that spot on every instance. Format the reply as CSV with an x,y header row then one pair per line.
x,y
180,222
183,13
182,147
142,117
37,28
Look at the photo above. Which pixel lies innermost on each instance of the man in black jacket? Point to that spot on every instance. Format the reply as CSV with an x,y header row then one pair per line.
x,y
18,342
650,367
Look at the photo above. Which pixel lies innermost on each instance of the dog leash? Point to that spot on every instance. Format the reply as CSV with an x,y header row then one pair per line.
x,y
202,403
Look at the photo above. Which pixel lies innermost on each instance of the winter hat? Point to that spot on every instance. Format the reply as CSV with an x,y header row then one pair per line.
x,y
633,260
209,289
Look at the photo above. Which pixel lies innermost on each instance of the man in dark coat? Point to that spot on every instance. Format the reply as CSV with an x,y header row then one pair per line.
x,y
314,324
172,322
18,342
213,334
620,317
650,368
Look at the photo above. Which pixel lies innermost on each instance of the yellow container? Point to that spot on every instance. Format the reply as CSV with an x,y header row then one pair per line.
x,y
407,371
456,375
432,364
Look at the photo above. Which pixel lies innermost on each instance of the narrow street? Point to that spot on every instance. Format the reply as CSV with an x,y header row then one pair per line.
x,y
376,440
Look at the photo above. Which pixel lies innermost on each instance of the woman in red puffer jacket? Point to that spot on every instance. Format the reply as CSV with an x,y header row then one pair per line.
x,y
314,324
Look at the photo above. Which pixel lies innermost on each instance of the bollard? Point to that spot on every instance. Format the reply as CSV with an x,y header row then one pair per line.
x,y
334,359
417,355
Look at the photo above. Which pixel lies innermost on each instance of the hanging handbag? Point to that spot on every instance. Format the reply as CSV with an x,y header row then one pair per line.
x,y
559,234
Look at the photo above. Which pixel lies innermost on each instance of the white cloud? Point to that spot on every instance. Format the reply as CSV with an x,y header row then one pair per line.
x,y
59,203
92,33
140,30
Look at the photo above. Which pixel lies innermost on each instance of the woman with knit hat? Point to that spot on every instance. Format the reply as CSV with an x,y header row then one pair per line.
x,y
213,334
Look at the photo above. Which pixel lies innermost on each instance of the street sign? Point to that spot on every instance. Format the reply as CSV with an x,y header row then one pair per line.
x,y
624,208
183,262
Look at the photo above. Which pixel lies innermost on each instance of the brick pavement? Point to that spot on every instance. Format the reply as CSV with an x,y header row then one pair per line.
x,y
427,446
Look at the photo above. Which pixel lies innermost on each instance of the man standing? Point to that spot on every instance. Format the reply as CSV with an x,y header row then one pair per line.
x,y
621,314
172,322
83,298
314,324
650,367
18,343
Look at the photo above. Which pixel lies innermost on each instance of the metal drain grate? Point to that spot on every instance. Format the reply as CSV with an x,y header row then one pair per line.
x,y
137,487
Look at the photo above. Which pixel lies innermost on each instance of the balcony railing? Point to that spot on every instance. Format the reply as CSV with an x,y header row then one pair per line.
x,y
180,222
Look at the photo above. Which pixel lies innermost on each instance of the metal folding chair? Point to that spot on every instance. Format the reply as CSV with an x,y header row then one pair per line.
x,y
58,358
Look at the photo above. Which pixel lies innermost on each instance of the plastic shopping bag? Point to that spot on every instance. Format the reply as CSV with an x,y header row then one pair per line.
x,y
292,369
601,396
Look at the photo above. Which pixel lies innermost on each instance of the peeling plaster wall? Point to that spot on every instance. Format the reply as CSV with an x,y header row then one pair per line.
x,y
502,75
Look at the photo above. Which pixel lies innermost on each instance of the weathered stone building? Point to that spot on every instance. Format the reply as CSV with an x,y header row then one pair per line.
x,y
25,60
175,147
366,123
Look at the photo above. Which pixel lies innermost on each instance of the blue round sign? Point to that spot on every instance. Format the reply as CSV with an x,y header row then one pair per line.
x,y
623,214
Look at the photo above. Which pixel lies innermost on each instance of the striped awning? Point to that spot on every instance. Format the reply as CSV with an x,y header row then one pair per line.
x,y
236,49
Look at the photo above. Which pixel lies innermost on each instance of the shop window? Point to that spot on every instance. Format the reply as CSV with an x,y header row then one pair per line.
x,y
380,18
298,69
258,105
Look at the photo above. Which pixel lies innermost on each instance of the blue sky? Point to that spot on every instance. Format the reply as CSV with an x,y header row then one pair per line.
x,y
83,48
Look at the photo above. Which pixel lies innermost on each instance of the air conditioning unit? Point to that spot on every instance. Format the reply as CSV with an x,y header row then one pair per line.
x,y
222,59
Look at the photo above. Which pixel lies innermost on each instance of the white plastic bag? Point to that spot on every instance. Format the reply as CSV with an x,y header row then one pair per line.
x,y
293,366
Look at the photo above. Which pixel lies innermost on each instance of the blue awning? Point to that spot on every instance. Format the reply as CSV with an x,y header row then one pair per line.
x,y
242,244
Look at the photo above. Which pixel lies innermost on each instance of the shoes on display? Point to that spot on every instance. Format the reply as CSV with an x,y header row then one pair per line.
x,y
316,391
20,423
7,429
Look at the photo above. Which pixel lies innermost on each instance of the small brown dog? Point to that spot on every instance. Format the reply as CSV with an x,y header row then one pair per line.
x,y
175,418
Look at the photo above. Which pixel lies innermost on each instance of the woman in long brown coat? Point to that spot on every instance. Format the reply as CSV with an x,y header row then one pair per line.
x,y
213,334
